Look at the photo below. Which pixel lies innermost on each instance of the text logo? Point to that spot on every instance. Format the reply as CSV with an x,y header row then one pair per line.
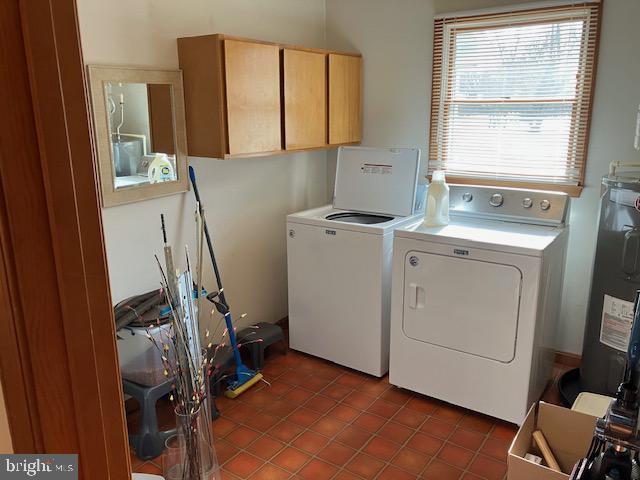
x,y
44,467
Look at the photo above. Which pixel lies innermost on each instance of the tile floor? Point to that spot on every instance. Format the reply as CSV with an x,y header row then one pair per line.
x,y
317,420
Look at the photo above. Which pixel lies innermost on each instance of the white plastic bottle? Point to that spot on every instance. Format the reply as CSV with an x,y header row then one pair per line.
x,y
437,211
160,169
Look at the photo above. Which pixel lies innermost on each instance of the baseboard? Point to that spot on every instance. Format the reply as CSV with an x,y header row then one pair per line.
x,y
568,359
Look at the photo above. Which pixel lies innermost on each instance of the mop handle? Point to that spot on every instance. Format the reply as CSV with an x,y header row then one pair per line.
x,y
192,176
227,316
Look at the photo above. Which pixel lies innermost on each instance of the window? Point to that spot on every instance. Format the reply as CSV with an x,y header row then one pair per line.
x,y
511,97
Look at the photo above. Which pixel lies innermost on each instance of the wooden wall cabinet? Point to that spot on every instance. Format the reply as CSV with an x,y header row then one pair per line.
x,y
232,96
345,99
305,99
247,97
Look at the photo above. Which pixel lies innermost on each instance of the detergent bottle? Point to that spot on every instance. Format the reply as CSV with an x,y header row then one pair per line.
x,y
161,169
437,210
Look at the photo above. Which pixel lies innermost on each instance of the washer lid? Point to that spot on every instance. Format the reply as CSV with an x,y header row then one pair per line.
x,y
376,180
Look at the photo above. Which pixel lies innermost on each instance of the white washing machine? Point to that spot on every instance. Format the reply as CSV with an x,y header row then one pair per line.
x,y
339,258
475,303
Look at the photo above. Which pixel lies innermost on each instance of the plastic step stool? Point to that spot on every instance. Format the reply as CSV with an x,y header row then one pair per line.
x,y
149,441
257,338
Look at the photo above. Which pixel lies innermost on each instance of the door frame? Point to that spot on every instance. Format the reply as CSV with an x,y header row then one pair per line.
x,y
58,358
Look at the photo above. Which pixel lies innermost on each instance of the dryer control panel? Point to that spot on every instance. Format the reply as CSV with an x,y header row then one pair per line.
x,y
539,207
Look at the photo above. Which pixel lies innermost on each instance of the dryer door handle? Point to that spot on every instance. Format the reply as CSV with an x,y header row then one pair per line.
x,y
416,296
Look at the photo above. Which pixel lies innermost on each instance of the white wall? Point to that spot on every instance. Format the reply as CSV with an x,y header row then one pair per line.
x,y
246,200
396,41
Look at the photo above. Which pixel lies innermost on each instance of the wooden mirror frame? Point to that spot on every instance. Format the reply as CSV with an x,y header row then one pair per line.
x,y
98,75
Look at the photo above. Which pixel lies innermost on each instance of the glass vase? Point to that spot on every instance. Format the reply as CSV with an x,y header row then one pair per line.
x,y
190,454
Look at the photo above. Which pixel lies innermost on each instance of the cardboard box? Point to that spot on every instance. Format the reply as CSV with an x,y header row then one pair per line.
x,y
568,433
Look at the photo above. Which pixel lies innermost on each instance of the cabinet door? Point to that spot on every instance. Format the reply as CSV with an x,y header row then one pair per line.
x,y
305,99
252,85
345,98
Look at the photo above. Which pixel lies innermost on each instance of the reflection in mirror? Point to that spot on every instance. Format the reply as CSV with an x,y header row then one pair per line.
x,y
141,133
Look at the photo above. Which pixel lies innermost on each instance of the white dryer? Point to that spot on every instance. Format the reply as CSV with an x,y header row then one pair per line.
x,y
475,303
339,258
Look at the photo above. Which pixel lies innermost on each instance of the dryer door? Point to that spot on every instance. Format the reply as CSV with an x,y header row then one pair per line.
x,y
462,304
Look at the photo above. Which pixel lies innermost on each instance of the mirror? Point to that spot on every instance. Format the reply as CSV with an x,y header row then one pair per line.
x,y
139,123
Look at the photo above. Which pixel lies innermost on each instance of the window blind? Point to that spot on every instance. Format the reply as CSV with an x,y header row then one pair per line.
x,y
511,95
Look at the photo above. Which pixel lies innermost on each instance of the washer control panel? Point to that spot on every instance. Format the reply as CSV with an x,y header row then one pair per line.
x,y
509,204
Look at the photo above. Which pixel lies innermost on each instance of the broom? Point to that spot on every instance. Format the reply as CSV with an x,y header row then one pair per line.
x,y
244,377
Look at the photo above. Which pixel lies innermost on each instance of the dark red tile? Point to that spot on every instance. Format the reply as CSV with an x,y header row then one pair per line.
x,y
240,413
438,428
396,395
383,408
504,431
353,437
346,475
328,372
344,413
149,467
496,448
365,466
454,455
410,418
449,413
278,389
359,400
479,423
290,459
337,392
242,436
222,427
298,395
243,465
425,443
259,399
373,387
270,472
225,451
336,453
261,421
381,449
394,473
320,403
310,442
370,423
318,470
441,471
304,417
350,380
227,475
285,431
395,432
411,460
281,408
488,468
328,426
265,447
467,439
423,404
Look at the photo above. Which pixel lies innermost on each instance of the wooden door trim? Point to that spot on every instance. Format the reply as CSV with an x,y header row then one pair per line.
x,y
53,260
